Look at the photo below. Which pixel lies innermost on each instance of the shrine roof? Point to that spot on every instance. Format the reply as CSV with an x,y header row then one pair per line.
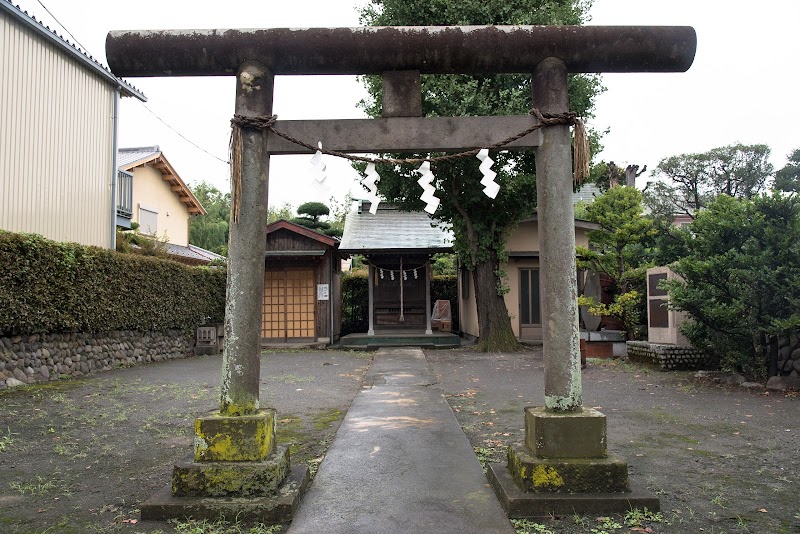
x,y
391,230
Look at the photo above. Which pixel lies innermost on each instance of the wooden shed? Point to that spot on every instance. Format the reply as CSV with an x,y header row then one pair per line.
x,y
302,286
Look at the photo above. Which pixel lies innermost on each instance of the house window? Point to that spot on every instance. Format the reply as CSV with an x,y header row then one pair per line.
x,y
530,311
148,220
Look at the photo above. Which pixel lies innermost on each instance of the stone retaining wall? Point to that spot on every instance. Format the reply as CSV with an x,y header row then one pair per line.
x,y
670,357
38,358
789,355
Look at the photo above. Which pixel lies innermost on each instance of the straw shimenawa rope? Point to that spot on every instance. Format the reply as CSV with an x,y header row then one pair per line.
x,y
238,123
581,154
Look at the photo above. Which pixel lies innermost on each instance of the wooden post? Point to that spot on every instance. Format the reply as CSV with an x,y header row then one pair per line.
x,y
428,280
370,285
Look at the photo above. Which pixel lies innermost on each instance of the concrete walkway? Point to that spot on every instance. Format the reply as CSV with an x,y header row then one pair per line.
x,y
400,462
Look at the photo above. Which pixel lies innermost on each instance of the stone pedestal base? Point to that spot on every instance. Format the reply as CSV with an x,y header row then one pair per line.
x,y
522,504
231,479
573,475
564,468
565,434
244,438
277,508
237,472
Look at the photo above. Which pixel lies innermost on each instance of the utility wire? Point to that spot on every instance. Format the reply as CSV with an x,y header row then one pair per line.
x,y
63,27
142,103
183,136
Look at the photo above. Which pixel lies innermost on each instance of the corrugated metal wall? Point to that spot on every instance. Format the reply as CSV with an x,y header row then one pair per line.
x,y
56,134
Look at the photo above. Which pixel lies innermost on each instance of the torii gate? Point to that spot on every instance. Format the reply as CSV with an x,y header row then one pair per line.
x,y
241,431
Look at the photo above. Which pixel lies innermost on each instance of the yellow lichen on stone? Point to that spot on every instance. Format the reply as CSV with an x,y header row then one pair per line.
x,y
234,439
546,477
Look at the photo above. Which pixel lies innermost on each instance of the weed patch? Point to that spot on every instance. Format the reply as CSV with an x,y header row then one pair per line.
x,y
221,526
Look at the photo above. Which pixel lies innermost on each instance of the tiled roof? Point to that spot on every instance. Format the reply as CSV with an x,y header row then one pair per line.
x,y
392,230
126,156
70,49
586,193
193,252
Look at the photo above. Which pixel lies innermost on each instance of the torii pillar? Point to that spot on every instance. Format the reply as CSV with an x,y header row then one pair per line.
x,y
563,464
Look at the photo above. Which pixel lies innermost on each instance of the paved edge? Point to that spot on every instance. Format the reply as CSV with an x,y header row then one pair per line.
x,y
407,373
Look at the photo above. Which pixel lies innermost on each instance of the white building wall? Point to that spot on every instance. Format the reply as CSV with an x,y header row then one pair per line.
x,y
56,135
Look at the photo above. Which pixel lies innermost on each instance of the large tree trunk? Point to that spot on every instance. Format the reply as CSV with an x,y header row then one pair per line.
x,y
494,323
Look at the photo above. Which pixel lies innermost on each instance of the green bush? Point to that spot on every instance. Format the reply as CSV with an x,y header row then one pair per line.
x,y
355,300
355,303
48,287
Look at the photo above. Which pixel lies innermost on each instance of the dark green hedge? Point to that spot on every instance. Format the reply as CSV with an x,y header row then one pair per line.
x,y
355,303
48,287
355,300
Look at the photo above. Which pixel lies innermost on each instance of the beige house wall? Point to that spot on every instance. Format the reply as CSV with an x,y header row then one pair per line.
x,y
56,136
151,191
467,310
524,239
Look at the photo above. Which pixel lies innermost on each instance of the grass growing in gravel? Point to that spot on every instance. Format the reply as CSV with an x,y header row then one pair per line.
x,y
221,526
635,520
7,440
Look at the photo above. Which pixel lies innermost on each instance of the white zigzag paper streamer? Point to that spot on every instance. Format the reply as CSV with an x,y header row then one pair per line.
x,y
317,169
370,182
491,188
427,189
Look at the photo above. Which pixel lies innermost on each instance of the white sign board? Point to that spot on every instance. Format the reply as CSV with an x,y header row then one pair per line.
x,y
323,292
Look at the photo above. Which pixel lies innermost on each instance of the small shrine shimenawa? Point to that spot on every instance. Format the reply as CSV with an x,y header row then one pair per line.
x,y
564,463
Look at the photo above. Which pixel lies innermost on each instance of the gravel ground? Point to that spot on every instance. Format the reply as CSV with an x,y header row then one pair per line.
x,y
81,455
721,459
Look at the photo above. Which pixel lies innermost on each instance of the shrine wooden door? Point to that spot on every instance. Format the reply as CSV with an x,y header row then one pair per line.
x,y
289,309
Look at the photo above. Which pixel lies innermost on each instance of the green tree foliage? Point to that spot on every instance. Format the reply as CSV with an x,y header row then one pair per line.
x,y
619,249
313,210
741,277
284,212
444,264
210,231
481,225
310,213
788,178
694,180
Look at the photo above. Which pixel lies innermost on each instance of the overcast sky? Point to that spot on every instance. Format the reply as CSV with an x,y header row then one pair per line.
x,y
742,87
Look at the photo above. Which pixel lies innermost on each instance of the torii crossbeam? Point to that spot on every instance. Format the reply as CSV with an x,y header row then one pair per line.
x,y
563,429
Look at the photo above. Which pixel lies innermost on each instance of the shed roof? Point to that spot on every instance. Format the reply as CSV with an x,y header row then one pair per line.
x,y
283,224
130,158
392,230
29,21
